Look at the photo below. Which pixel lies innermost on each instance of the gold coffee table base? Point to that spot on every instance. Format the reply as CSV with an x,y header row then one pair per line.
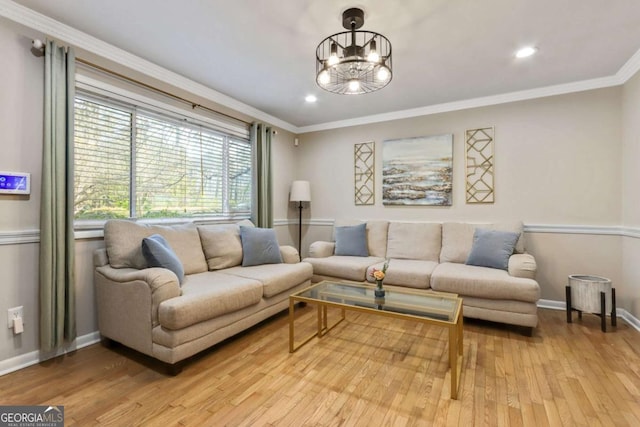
x,y
339,295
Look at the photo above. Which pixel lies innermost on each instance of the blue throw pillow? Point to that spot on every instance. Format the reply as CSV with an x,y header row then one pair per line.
x,y
352,240
492,248
259,246
158,253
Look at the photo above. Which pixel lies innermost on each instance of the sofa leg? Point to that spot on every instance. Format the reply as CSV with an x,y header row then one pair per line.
x,y
174,369
108,342
527,331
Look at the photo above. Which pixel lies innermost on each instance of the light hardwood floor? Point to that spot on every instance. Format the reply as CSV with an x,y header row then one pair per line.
x,y
368,371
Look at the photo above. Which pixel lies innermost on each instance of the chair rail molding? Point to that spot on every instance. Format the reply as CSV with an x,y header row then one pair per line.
x,y
19,237
15,237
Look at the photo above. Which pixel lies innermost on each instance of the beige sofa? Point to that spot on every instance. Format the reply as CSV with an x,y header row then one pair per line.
x,y
433,256
148,310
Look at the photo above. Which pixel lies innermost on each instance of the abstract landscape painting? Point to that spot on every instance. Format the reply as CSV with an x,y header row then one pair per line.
x,y
417,171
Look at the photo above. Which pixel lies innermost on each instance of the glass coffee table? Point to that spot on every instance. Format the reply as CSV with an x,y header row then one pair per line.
x,y
430,307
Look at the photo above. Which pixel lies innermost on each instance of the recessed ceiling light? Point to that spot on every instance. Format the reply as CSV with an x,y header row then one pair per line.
x,y
526,51
310,98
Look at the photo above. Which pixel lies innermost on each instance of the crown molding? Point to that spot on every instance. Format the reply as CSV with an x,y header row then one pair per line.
x,y
629,69
37,21
470,103
29,18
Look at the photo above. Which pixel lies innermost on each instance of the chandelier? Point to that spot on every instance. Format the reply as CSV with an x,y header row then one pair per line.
x,y
353,62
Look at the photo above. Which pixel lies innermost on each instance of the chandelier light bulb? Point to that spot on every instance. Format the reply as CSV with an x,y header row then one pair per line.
x,y
324,77
373,53
333,57
383,74
354,85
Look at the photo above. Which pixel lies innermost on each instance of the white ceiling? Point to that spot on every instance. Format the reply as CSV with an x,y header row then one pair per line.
x,y
262,52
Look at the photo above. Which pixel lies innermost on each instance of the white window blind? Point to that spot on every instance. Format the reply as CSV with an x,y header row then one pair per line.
x,y
102,160
160,166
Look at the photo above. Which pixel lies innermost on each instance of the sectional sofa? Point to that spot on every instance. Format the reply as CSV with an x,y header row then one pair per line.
x,y
436,256
170,316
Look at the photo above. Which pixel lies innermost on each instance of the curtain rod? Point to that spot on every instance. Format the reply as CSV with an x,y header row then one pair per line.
x,y
194,105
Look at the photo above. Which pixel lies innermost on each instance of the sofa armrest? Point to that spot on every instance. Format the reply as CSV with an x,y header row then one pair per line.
x,y
158,279
100,258
154,286
289,254
321,249
522,265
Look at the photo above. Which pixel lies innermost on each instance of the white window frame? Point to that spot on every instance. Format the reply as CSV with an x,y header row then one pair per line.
x,y
123,98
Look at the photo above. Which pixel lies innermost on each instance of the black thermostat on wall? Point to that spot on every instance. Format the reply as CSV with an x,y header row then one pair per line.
x,y
15,183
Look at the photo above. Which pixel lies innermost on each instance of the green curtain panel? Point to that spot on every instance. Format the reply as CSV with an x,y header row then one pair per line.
x,y
57,281
262,206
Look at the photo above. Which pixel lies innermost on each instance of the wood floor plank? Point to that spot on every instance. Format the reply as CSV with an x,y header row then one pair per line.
x,y
366,371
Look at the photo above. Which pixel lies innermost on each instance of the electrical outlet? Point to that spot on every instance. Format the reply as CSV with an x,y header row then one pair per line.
x,y
12,313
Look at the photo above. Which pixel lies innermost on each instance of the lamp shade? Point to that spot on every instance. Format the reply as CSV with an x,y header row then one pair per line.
x,y
300,191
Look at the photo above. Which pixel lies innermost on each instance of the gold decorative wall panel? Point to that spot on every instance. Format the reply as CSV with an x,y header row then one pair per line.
x,y
364,173
480,165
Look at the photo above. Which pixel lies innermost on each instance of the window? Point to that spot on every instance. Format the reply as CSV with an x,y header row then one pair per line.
x,y
131,162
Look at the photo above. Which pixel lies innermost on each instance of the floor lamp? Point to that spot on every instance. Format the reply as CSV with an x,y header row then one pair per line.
x,y
300,192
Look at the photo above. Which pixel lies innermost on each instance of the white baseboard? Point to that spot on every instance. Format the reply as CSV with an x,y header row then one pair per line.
x,y
35,357
620,312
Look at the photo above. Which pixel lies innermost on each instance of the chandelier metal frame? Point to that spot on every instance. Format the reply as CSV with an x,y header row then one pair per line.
x,y
354,62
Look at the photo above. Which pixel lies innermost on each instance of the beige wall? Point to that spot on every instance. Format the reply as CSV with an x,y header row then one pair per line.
x,y
630,191
557,163
21,127
21,86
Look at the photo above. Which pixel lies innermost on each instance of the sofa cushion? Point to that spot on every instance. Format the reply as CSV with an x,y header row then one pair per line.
x,y
377,235
259,246
483,282
515,227
406,272
418,241
158,253
457,238
123,240
351,240
492,248
345,267
344,222
221,245
208,295
275,278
